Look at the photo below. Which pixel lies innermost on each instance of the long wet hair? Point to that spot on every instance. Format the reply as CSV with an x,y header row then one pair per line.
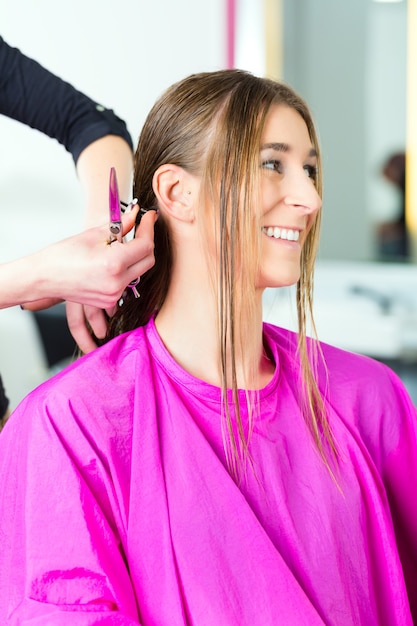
x,y
211,125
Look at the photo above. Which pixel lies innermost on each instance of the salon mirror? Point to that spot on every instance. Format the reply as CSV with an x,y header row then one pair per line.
x,y
348,59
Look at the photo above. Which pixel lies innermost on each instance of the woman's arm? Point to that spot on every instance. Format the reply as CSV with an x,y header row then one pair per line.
x,y
93,169
82,268
31,94
97,139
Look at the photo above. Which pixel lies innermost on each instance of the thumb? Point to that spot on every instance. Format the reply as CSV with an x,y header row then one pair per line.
x,y
129,218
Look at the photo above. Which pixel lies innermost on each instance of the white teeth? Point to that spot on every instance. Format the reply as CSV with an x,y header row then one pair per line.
x,y
282,233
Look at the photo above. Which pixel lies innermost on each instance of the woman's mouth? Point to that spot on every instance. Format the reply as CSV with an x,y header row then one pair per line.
x,y
281,233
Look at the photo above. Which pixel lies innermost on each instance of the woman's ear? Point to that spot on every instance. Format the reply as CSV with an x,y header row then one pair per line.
x,y
173,187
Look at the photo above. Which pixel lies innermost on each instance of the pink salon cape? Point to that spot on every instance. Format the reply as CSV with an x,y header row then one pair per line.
x,y
117,507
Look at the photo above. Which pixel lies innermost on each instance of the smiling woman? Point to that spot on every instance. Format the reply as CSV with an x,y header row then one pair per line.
x,y
216,470
289,197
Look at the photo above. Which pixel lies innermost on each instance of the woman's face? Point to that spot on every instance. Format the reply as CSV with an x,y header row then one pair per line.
x,y
289,199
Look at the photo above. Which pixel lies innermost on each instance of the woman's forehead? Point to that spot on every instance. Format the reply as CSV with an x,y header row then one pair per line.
x,y
284,125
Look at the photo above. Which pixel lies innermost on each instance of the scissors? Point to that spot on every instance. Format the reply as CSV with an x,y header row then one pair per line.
x,y
115,211
115,226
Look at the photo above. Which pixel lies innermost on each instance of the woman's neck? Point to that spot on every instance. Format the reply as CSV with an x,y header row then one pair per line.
x,y
187,324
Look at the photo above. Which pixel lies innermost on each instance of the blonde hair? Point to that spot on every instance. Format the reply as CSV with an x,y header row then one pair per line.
x,y
211,124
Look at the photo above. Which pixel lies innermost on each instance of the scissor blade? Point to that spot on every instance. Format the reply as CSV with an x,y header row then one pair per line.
x,y
115,213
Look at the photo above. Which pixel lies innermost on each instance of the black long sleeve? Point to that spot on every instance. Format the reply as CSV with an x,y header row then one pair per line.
x,y
34,96
4,401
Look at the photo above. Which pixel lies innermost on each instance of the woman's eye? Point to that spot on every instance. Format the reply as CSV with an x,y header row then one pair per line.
x,y
273,164
311,171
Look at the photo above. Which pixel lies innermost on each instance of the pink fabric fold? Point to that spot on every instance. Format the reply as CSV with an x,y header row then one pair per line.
x,y
117,506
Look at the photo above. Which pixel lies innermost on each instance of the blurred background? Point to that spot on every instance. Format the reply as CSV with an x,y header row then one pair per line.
x,y
350,60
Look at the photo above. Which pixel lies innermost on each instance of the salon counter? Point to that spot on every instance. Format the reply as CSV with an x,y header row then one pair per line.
x,y
369,308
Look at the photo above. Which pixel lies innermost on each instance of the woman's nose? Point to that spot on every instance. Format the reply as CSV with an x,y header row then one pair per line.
x,y
301,192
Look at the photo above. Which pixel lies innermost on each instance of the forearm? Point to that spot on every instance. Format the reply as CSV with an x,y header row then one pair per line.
x,y
82,268
93,169
20,281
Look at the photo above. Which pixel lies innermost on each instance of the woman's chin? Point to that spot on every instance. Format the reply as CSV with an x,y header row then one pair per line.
x,y
280,279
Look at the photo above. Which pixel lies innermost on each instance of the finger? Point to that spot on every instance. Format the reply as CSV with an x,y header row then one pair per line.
x,y
146,226
141,264
111,310
139,257
39,305
138,253
78,327
128,219
97,320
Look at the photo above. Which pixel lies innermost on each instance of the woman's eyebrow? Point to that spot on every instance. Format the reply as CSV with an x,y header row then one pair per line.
x,y
279,147
284,147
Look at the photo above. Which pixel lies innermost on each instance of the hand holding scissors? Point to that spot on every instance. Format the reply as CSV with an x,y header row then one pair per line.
x,y
116,220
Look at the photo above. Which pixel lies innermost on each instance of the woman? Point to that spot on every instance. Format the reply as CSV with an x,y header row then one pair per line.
x,y
210,469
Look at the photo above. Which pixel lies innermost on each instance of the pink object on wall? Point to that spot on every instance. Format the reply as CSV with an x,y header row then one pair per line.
x,y
230,31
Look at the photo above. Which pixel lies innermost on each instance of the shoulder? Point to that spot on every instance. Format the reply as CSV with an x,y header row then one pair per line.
x,y
85,415
285,340
97,391
359,377
114,362
362,395
336,364
346,378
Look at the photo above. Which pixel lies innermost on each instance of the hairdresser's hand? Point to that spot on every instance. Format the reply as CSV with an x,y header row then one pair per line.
x,y
141,255
92,275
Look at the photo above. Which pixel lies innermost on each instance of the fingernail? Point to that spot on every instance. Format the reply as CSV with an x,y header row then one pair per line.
x,y
131,205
